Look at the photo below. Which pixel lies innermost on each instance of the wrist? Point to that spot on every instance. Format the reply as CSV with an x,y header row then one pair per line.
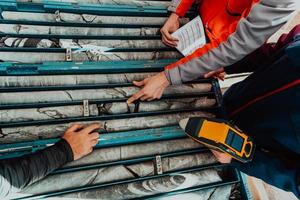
x,y
67,148
174,16
165,81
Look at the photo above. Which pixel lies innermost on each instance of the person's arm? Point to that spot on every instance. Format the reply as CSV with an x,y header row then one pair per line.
x,y
264,19
18,173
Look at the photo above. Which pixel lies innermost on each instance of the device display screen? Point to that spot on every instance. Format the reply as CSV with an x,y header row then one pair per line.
x,y
234,140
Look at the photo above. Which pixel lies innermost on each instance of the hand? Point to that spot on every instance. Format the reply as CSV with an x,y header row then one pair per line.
x,y
219,74
153,88
82,140
171,25
223,158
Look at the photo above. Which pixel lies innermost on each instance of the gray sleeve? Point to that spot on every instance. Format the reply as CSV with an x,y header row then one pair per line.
x,y
264,19
173,5
180,7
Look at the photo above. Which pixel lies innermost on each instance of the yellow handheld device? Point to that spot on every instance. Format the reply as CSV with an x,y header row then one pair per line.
x,y
221,135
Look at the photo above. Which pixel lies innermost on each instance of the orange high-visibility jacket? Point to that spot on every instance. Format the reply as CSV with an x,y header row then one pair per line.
x,y
235,28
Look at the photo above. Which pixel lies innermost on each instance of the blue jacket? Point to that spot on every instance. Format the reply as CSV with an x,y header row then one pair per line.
x,y
266,106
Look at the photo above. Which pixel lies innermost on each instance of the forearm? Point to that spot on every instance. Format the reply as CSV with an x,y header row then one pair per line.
x,y
251,33
17,173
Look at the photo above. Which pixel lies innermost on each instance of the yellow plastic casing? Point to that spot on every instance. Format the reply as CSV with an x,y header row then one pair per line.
x,y
218,132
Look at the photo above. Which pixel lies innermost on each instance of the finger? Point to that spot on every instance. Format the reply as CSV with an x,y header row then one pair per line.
x,y
168,42
75,127
216,77
166,37
158,94
135,97
94,143
150,99
222,76
165,42
169,36
216,153
206,76
145,97
209,74
94,136
219,76
90,128
139,83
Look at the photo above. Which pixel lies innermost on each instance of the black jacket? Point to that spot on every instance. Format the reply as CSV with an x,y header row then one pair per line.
x,y
270,102
17,173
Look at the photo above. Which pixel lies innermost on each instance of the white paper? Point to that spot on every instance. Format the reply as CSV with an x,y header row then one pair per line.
x,y
191,36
